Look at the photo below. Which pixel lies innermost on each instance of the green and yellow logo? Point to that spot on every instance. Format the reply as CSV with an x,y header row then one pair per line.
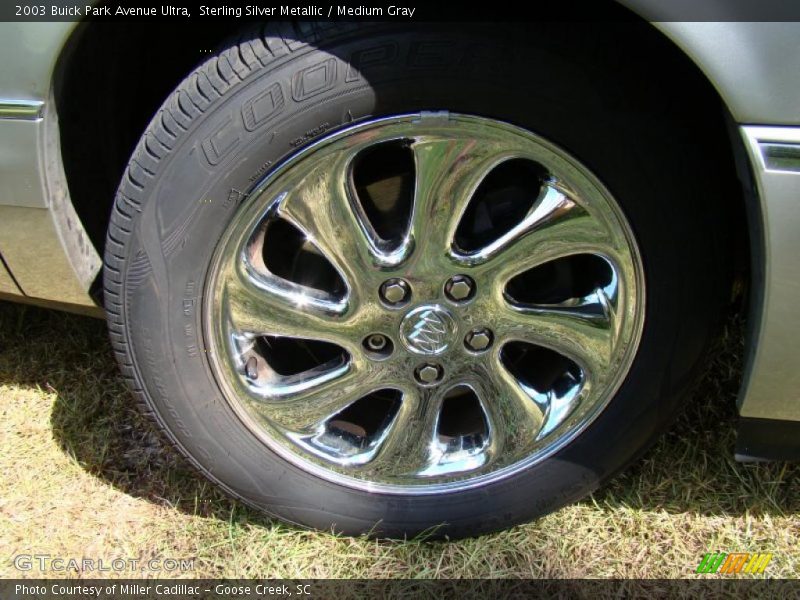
x,y
733,563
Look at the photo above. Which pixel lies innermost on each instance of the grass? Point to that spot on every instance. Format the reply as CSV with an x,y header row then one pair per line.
x,y
83,475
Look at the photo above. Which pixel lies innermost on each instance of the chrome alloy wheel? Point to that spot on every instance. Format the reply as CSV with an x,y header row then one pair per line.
x,y
463,332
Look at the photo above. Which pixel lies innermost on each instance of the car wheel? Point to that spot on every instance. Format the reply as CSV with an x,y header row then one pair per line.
x,y
382,280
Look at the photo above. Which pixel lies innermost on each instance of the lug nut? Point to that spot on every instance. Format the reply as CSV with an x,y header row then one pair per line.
x,y
459,288
478,339
395,291
428,373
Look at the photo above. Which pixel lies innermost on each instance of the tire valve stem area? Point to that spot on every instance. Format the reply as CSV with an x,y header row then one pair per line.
x,y
378,346
251,368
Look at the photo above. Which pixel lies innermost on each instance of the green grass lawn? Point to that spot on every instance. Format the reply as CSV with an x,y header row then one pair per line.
x,y
84,475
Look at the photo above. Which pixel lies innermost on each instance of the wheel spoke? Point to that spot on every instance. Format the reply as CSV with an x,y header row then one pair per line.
x,y
448,171
262,304
408,447
582,334
555,226
515,418
302,403
320,205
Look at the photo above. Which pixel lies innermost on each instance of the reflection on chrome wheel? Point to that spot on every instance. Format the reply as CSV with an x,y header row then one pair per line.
x,y
424,303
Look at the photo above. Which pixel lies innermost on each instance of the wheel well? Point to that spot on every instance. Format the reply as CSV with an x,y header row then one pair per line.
x,y
112,78
110,81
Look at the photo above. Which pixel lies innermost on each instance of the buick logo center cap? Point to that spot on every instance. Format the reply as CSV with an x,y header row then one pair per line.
x,y
428,329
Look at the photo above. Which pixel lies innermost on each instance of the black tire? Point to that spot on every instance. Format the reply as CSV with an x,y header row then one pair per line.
x,y
262,99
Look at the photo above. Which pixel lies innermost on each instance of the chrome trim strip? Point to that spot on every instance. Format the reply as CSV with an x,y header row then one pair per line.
x,y
778,147
25,110
780,157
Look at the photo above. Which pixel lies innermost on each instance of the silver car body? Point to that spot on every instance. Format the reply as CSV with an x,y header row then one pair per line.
x,y
48,258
